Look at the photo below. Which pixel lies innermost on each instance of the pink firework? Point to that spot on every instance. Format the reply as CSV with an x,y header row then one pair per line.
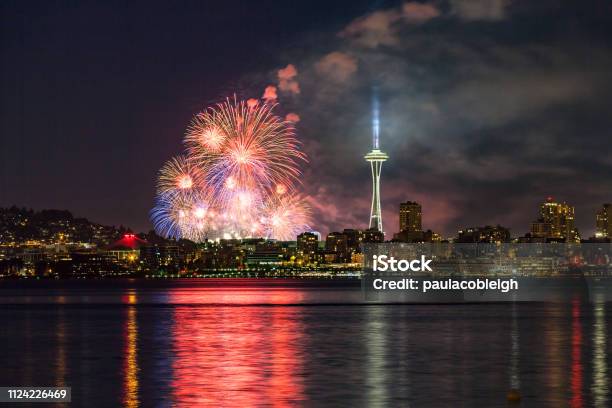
x,y
258,149
285,217
179,175
238,178
203,138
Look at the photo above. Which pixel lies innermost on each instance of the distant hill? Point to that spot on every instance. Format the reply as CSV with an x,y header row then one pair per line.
x,y
22,224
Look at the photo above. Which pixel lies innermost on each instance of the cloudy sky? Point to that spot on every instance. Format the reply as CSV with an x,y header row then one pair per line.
x,y
487,106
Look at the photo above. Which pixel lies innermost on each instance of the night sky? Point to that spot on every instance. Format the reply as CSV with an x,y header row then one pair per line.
x,y
487,106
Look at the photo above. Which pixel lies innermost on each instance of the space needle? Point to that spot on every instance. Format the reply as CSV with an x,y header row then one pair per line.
x,y
376,158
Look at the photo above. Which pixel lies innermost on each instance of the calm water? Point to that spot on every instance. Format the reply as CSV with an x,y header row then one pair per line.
x,y
281,344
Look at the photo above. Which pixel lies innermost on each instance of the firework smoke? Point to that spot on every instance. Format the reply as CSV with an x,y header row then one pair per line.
x,y
287,79
270,94
292,117
237,178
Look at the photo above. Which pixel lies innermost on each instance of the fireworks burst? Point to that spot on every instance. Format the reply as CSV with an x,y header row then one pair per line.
x,y
237,179
179,216
202,136
285,217
178,175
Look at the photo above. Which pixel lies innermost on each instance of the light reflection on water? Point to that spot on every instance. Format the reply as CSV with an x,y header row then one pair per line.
x,y
235,358
130,397
224,347
576,373
375,374
515,352
599,388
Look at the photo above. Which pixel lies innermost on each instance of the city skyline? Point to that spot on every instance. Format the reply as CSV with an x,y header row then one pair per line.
x,y
53,244
496,114
555,220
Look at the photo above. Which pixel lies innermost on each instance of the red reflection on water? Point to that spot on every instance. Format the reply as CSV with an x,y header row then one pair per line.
x,y
229,356
233,293
286,358
576,379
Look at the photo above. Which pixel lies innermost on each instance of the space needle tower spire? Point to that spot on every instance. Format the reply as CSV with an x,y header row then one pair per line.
x,y
376,158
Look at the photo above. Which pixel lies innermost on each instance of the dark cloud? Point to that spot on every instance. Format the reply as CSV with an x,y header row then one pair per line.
x,y
481,124
480,9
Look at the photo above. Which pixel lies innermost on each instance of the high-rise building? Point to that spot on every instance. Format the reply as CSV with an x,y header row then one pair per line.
x,y
410,217
560,216
376,158
307,246
603,222
410,229
354,239
336,243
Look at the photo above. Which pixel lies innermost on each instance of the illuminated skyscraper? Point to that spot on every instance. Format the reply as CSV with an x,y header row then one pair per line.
x,y
560,219
604,222
376,158
307,246
410,229
410,217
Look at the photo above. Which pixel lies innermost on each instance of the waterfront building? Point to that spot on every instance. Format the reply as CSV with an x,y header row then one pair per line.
x,y
410,217
162,254
354,239
307,246
603,222
127,249
265,257
560,216
337,243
